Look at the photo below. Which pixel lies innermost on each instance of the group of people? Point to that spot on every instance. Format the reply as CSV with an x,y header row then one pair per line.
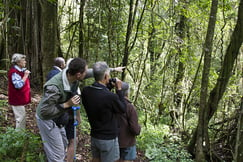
x,y
112,117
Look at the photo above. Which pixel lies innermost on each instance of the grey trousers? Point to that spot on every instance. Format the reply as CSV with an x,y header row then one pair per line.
x,y
54,140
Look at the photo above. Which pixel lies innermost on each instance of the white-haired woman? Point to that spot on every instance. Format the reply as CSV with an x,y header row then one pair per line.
x,y
19,89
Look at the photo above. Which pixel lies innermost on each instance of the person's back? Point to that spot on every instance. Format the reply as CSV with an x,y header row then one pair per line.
x,y
102,108
59,64
129,129
129,126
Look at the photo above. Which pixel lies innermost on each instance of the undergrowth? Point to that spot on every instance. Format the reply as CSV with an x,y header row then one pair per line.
x,y
160,145
20,146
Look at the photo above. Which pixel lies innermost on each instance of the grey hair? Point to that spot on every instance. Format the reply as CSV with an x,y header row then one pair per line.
x,y
125,88
59,61
100,69
17,57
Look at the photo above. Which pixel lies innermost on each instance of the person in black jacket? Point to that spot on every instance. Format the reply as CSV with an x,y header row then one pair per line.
x,y
102,107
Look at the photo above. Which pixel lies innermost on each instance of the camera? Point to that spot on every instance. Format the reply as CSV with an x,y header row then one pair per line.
x,y
112,81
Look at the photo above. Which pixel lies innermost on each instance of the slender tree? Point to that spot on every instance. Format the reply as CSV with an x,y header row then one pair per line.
x,y
181,31
202,133
238,156
128,34
81,28
222,81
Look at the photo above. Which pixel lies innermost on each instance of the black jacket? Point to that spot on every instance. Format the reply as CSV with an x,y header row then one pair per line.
x,y
102,108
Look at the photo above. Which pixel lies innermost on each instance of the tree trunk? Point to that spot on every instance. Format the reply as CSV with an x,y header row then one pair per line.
x,y
110,32
181,30
48,34
228,64
128,34
238,156
202,133
152,43
226,70
81,29
35,44
22,35
14,29
4,55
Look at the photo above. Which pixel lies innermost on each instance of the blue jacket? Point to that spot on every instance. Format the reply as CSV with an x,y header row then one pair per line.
x,y
55,70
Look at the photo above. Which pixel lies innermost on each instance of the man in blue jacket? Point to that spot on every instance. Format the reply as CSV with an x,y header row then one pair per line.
x,y
59,65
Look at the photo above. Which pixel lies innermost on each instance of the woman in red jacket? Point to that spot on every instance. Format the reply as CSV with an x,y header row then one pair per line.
x,y
19,88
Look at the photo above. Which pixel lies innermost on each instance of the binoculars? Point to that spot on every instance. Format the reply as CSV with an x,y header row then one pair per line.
x,y
110,85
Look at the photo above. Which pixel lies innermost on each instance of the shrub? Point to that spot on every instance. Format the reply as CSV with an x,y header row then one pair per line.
x,y
20,145
159,145
3,109
167,152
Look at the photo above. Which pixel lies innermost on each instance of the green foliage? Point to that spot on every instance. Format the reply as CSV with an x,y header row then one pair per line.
x,y
160,145
20,145
3,72
85,127
152,134
167,152
3,104
153,59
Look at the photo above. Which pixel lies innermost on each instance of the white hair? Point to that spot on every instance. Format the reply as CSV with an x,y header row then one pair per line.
x,y
17,57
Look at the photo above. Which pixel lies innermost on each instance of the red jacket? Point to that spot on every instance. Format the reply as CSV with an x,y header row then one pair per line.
x,y
18,96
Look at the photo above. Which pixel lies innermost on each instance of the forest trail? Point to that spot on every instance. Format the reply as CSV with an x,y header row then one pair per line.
x,y
83,147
